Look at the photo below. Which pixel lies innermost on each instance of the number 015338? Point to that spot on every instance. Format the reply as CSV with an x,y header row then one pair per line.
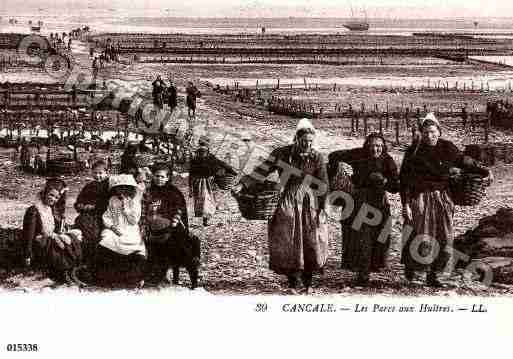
x,y
22,347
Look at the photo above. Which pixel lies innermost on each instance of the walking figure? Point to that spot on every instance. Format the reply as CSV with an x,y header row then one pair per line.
x,y
192,93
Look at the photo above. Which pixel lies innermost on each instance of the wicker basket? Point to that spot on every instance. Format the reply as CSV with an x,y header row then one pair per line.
x,y
468,189
257,207
226,181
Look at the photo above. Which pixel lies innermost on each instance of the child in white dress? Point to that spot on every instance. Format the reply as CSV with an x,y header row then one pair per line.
x,y
122,251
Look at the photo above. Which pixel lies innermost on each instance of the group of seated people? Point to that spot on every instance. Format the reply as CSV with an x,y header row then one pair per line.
x,y
131,228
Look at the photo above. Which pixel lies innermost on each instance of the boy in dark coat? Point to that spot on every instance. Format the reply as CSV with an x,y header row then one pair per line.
x,y
91,203
166,229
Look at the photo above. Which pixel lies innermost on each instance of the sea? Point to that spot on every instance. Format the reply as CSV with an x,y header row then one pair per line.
x,y
101,21
115,22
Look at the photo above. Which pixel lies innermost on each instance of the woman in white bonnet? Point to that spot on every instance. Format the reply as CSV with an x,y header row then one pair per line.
x,y
297,232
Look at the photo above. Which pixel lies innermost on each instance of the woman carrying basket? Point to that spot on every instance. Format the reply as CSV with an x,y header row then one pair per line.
x,y
203,169
428,209
374,174
297,231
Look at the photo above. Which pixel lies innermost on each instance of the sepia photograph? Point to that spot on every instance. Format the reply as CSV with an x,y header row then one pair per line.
x,y
254,158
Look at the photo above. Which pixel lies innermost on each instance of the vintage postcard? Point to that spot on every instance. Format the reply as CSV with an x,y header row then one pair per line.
x,y
169,166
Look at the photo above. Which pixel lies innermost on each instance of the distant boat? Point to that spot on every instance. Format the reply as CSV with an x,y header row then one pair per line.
x,y
357,25
34,27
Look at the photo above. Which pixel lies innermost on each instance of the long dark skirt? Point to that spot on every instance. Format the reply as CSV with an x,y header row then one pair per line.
x,y
365,250
117,270
49,256
298,242
429,246
191,103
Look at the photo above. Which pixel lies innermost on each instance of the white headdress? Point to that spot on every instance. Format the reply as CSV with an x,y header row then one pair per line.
x,y
122,180
305,124
430,117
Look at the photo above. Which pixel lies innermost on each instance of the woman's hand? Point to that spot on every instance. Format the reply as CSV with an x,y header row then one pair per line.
x,y
65,239
58,241
238,188
175,220
27,262
407,213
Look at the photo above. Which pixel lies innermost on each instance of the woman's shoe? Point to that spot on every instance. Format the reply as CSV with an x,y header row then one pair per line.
x,y
307,290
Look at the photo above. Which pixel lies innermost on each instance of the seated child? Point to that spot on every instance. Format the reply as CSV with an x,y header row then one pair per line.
x,y
121,254
167,230
46,243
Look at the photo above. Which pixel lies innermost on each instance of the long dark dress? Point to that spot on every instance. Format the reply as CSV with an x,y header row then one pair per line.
x,y
201,181
172,97
157,92
44,252
298,242
363,250
192,93
425,186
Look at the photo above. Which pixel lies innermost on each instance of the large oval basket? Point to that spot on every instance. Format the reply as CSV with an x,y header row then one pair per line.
x,y
258,206
469,189
226,181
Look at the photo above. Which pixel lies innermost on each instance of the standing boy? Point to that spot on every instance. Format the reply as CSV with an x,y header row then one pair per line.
x,y
91,203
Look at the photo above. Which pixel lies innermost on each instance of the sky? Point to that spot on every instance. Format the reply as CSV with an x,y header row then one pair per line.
x,y
271,8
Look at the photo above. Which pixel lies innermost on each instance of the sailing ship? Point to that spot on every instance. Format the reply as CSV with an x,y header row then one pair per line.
x,y
355,24
34,27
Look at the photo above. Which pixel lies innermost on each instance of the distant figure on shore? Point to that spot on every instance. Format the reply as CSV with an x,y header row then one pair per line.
x,y
171,96
192,93
464,116
95,67
158,90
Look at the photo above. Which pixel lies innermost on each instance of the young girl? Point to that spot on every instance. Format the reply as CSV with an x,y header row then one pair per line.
x,y
45,244
122,254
